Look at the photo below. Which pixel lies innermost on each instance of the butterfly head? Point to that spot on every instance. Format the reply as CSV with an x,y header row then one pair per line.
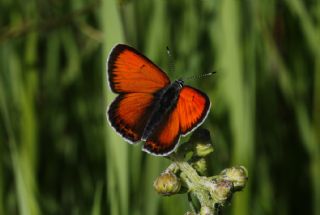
x,y
180,83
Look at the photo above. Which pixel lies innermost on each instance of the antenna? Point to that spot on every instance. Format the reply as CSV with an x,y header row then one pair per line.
x,y
170,61
199,76
172,69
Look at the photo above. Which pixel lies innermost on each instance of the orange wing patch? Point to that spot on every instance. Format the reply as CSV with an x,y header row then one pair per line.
x,y
193,107
130,71
128,114
165,137
191,110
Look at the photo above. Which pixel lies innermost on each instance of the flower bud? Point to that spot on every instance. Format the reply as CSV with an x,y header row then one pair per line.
x,y
199,144
205,210
167,184
201,166
222,190
237,175
203,149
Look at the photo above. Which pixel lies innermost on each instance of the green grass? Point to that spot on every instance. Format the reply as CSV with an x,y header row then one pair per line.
x,y
58,154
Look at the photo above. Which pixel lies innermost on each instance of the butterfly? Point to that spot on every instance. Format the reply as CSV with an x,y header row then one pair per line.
x,y
149,107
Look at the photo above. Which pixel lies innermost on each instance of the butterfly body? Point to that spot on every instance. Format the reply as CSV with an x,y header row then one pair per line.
x,y
166,99
149,107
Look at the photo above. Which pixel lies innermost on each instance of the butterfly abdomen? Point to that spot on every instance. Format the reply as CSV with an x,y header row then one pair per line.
x,y
167,100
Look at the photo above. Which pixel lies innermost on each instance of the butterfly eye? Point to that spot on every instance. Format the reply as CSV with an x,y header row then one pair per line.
x,y
180,82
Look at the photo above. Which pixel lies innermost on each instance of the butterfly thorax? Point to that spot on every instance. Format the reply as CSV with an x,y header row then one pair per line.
x,y
166,100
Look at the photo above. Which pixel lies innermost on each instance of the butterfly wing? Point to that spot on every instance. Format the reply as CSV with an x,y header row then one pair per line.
x,y
128,114
193,107
136,79
165,136
190,111
131,72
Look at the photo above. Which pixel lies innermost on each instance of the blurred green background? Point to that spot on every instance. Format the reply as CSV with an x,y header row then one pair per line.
x,y
58,154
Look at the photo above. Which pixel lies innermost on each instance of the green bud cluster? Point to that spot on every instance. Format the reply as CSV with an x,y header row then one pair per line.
x,y
188,173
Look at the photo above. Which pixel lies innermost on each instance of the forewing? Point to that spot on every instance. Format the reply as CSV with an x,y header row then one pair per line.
x,y
128,114
193,107
165,136
130,71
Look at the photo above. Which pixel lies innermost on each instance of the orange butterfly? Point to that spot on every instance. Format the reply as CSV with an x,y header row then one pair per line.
x,y
149,107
